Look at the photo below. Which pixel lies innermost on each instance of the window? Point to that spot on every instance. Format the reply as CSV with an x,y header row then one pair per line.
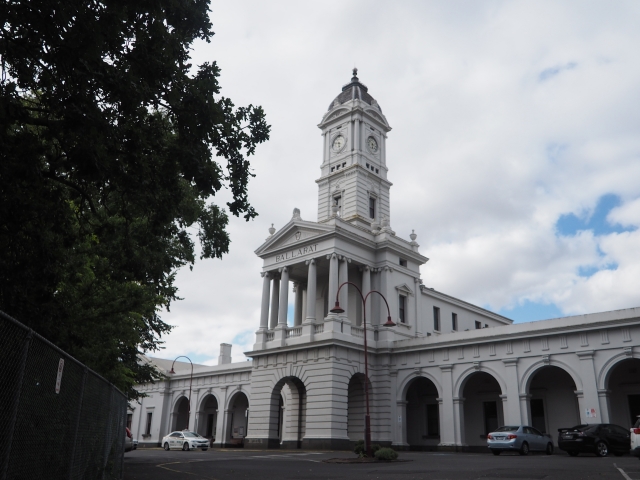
x,y
402,305
486,325
147,430
337,202
436,319
129,420
478,325
454,322
403,262
372,207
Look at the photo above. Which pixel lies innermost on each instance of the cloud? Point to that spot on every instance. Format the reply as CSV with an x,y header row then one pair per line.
x,y
507,118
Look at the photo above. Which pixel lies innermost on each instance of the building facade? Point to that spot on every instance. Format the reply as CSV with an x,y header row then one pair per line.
x,y
444,376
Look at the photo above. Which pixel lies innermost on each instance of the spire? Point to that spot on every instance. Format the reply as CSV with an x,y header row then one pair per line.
x,y
355,75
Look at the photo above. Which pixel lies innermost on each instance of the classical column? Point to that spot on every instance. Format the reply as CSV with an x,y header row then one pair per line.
x,y
356,142
382,314
366,288
458,415
284,297
343,276
264,312
333,280
311,292
418,310
297,309
512,414
275,294
448,427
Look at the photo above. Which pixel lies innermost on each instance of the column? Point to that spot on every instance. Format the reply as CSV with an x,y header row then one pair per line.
x,y
221,418
311,292
333,280
366,288
383,312
448,427
356,142
418,309
603,396
275,294
297,309
512,415
343,276
264,312
525,408
589,400
284,298
458,417
193,418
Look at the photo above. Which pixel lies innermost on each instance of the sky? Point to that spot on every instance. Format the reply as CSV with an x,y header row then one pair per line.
x,y
514,154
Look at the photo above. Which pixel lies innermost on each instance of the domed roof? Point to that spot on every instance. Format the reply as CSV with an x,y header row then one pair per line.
x,y
354,90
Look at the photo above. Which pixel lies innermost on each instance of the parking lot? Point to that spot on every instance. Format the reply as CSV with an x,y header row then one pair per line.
x,y
214,464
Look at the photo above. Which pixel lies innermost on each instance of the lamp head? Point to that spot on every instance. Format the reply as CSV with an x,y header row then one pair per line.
x,y
389,323
337,308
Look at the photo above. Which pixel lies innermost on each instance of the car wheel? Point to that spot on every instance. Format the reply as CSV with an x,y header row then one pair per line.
x,y
524,449
601,449
573,453
496,452
185,447
166,446
549,449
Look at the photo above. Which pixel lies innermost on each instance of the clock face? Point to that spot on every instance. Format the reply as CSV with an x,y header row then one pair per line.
x,y
338,143
372,144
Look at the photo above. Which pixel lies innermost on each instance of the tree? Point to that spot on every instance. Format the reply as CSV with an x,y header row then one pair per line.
x,y
108,136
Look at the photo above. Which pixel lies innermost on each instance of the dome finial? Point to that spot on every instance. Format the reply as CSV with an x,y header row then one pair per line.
x,y
355,74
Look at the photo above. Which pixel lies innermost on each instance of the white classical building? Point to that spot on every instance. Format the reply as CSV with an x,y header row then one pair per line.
x,y
444,376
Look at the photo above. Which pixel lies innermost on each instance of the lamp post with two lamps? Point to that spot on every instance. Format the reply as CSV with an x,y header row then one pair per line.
x,y
190,384
389,323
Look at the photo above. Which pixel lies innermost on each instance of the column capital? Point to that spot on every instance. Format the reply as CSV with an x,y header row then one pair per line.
x,y
266,274
283,269
311,261
458,400
525,396
364,268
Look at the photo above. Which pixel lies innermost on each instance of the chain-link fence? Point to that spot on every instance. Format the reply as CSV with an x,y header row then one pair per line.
x,y
58,419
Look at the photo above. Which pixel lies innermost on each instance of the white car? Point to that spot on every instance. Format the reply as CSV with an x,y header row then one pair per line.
x,y
635,439
185,440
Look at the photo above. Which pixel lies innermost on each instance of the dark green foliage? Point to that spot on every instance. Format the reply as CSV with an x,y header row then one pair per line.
x,y
359,449
107,144
386,454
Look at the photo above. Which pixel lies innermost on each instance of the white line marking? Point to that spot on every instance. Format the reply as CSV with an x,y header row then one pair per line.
x,y
622,472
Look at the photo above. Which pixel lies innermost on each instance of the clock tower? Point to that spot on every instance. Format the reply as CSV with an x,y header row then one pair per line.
x,y
353,183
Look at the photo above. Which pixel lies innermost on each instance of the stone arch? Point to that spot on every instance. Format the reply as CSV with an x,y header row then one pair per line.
x,y
422,413
180,414
610,365
401,393
621,394
480,393
207,415
531,371
237,412
550,396
464,376
287,413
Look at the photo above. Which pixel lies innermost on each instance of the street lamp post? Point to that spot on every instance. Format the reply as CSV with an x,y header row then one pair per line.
x,y
190,384
389,323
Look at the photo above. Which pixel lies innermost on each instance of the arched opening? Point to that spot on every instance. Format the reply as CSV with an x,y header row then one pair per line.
x,y
208,417
287,414
423,415
552,403
483,411
623,385
238,414
181,415
356,407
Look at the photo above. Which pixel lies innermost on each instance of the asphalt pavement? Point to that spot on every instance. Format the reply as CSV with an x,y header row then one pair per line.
x,y
239,464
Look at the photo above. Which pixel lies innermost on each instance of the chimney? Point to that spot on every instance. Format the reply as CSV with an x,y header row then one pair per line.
x,y
225,354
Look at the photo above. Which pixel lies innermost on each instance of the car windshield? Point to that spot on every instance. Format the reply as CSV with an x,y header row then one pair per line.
x,y
191,435
507,429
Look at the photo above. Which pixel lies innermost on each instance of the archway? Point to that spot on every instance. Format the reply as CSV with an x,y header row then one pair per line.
x,y
287,414
237,420
208,417
552,403
422,414
483,411
356,407
623,385
181,415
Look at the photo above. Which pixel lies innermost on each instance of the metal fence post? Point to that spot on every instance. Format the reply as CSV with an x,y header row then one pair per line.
x,y
75,435
16,400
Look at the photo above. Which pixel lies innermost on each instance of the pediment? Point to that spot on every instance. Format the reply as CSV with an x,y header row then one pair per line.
x,y
404,288
292,234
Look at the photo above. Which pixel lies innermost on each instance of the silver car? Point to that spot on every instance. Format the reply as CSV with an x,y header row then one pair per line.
x,y
519,438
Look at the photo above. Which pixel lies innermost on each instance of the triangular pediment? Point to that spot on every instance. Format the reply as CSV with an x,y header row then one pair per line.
x,y
404,288
296,232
